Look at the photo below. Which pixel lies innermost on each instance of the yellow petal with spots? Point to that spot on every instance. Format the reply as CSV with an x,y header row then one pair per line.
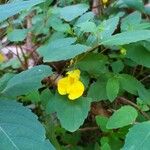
x,y
76,90
63,85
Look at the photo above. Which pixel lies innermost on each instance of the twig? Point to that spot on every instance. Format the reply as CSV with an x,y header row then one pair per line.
x,y
126,101
88,129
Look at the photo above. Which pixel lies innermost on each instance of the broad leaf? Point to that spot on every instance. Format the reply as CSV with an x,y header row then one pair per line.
x,y
69,13
52,51
97,63
70,113
112,88
107,27
138,137
136,4
4,80
10,9
87,26
138,54
128,23
27,81
124,116
127,37
20,129
126,80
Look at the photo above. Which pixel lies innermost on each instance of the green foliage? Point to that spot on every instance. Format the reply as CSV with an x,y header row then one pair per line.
x,y
109,44
124,116
20,128
136,4
8,10
69,13
26,81
97,90
127,37
138,137
17,35
138,54
112,88
68,112
62,46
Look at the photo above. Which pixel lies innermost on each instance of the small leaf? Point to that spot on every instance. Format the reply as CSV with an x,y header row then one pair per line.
x,y
69,13
124,116
117,66
17,35
101,122
138,137
20,129
112,88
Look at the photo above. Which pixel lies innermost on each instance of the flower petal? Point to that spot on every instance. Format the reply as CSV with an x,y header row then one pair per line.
x,y
74,74
76,90
62,86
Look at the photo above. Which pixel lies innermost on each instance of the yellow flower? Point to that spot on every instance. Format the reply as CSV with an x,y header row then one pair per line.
x,y
71,85
105,1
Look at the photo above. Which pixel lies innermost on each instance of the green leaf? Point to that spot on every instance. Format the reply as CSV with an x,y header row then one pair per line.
x,y
117,66
10,9
112,88
124,116
144,95
71,113
138,54
127,37
33,96
4,80
101,122
138,137
69,13
128,23
17,35
107,27
20,129
88,16
97,63
52,51
136,4
27,81
57,24
126,80
87,26
97,91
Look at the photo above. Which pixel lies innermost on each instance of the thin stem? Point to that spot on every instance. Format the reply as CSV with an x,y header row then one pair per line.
x,y
126,101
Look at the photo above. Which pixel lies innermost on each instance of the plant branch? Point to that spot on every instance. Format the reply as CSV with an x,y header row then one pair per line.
x,y
126,101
